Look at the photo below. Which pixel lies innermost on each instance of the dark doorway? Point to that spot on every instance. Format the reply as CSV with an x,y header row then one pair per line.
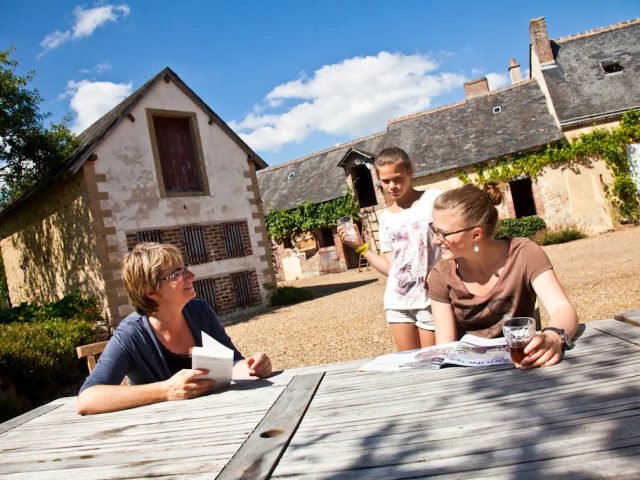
x,y
327,237
364,186
522,194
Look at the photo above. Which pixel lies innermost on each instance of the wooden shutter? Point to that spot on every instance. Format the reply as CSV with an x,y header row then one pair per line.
x,y
195,244
242,289
232,236
177,156
206,290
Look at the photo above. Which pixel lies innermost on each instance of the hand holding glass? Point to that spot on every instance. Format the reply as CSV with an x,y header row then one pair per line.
x,y
518,331
347,223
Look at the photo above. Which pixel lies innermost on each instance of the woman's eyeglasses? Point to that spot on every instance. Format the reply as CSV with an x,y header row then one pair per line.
x,y
442,236
179,275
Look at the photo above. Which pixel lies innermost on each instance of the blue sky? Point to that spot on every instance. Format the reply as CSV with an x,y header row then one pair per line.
x,y
291,77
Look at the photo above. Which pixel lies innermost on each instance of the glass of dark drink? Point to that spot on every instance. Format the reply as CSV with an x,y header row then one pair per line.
x,y
518,331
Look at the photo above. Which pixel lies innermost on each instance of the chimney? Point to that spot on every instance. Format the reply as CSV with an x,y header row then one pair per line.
x,y
514,71
540,40
476,88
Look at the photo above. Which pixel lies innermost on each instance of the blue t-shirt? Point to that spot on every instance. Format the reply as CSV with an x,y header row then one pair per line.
x,y
135,351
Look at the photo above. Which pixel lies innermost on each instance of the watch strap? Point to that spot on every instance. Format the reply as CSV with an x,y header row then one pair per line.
x,y
560,331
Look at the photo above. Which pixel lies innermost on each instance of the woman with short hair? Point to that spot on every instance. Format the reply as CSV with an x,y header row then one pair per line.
x,y
152,346
482,280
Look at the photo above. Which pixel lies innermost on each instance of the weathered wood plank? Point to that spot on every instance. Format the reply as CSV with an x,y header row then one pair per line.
x,y
472,452
26,417
632,317
259,455
623,331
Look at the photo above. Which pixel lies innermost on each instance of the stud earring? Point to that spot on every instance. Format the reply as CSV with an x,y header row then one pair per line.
x,y
476,249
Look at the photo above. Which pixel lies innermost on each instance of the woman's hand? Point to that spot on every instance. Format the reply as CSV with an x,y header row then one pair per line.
x,y
259,365
543,351
357,238
184,384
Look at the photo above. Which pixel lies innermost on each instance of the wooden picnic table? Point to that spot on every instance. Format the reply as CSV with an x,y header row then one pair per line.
x,y
579,419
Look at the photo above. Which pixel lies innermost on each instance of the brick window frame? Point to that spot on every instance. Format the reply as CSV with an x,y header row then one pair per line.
x,y
197,150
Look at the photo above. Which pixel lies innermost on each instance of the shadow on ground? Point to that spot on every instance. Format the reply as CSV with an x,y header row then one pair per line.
x,y
318,291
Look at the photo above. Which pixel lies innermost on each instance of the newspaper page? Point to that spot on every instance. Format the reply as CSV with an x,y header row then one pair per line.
x,y
216,358
469,351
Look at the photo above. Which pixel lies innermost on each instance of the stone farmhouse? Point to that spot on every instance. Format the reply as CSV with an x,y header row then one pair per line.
x,y
161,166
577,82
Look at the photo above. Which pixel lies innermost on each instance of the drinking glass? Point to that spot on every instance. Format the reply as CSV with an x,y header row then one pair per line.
x,y
347,222
518,331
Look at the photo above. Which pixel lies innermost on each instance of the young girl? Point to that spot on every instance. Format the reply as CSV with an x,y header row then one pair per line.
x,y
407,251
481,280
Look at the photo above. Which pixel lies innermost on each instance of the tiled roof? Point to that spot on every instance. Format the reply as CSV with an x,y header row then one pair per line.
x,y
469,132
316,178
579,88
460,134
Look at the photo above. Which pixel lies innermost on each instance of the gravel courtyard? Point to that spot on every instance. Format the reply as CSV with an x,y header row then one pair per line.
x,y
345,321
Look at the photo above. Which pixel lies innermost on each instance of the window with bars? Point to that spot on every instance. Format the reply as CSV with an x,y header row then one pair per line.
x,y
195,245
206,290
242,289
232,235
149,236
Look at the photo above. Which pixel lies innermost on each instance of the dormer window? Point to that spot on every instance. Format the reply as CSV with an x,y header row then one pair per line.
x,y
610,65
497,109
291,175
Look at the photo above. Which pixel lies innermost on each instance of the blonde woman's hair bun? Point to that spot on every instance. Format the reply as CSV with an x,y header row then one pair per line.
x,y
493,190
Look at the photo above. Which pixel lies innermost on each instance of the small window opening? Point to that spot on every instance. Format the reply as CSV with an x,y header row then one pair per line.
x,y
611,66
497,109
286,241
291,175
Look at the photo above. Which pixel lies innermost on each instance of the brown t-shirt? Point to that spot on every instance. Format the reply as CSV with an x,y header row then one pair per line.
x,y
512,296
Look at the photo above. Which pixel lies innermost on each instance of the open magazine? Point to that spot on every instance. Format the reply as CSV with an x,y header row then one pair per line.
x,y
470,351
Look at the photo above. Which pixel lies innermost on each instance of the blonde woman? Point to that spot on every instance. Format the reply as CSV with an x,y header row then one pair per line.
x,y
482,280
152,346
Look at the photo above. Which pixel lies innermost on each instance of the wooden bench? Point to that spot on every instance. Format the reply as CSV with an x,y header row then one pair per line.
x,y
632,317
90,351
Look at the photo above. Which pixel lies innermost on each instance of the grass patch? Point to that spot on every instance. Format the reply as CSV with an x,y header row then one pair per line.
x,y
564,234
290,296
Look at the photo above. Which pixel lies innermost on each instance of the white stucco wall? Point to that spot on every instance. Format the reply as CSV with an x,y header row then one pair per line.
x,y
126,159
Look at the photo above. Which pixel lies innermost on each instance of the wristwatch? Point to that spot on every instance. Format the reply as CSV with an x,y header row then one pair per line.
x,y
566,340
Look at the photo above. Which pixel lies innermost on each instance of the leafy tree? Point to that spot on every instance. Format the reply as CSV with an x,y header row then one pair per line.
x,y
28,149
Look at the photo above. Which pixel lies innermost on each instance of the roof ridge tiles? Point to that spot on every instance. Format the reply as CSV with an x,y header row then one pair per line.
x,y
320,152
597,31
458,104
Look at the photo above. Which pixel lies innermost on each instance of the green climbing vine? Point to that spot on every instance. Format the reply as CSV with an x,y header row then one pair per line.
x,y
606,144
311,216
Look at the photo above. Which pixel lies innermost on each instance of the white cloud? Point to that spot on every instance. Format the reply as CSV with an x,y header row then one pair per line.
x,y
99,68
498,80
476,72
91,100
354,97
85,24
